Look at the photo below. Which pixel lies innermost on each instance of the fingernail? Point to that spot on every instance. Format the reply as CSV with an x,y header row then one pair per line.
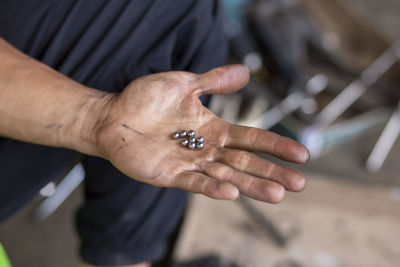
x,y
306,155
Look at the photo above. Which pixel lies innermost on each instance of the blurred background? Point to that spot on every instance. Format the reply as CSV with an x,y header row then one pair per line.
x,y
324,72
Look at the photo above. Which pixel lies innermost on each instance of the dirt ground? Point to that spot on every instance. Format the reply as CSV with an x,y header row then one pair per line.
x,y
333,223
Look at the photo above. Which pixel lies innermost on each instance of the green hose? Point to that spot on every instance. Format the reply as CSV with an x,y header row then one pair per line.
x,y
4,261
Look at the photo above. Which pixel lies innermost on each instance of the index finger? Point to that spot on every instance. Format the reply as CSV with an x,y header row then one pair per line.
x,y
258,140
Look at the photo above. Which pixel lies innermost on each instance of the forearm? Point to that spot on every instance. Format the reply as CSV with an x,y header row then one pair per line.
x,y
42,106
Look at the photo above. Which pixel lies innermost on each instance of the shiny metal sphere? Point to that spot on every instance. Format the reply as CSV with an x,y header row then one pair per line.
x,y
176,135
200,139
183,133
192,145
192,140
199,145
184,142
191,133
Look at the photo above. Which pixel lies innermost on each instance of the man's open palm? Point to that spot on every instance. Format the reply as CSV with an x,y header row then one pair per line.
x,y
136,136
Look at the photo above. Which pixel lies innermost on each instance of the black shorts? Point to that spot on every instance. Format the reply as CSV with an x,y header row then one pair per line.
x,y
106,44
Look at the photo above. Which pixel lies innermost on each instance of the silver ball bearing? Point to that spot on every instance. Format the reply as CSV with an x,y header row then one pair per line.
x,y
176,135
189,139
199,145
184,142
191,133
183,133
192,145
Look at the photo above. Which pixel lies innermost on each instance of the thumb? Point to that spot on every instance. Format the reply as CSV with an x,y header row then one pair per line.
x,y
222,80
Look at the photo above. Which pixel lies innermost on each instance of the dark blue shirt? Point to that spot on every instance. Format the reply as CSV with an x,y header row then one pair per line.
x,y
106,43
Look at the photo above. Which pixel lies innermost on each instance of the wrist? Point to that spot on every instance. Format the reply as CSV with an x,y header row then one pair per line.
x,y
93,115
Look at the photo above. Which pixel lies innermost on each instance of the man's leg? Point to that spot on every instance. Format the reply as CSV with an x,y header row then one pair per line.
x,y
124,222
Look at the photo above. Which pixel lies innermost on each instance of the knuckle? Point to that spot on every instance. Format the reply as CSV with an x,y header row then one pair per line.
x,y
221,173
208,189
243,161
271,170
192,183
211,169
228,174
218,79
196,184
253,136
247,185
276,141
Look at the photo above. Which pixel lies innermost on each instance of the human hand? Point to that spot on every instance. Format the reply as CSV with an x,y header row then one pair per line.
x,y
135,135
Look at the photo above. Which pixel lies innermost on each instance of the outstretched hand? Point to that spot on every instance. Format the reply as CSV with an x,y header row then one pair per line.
x,y
135,134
